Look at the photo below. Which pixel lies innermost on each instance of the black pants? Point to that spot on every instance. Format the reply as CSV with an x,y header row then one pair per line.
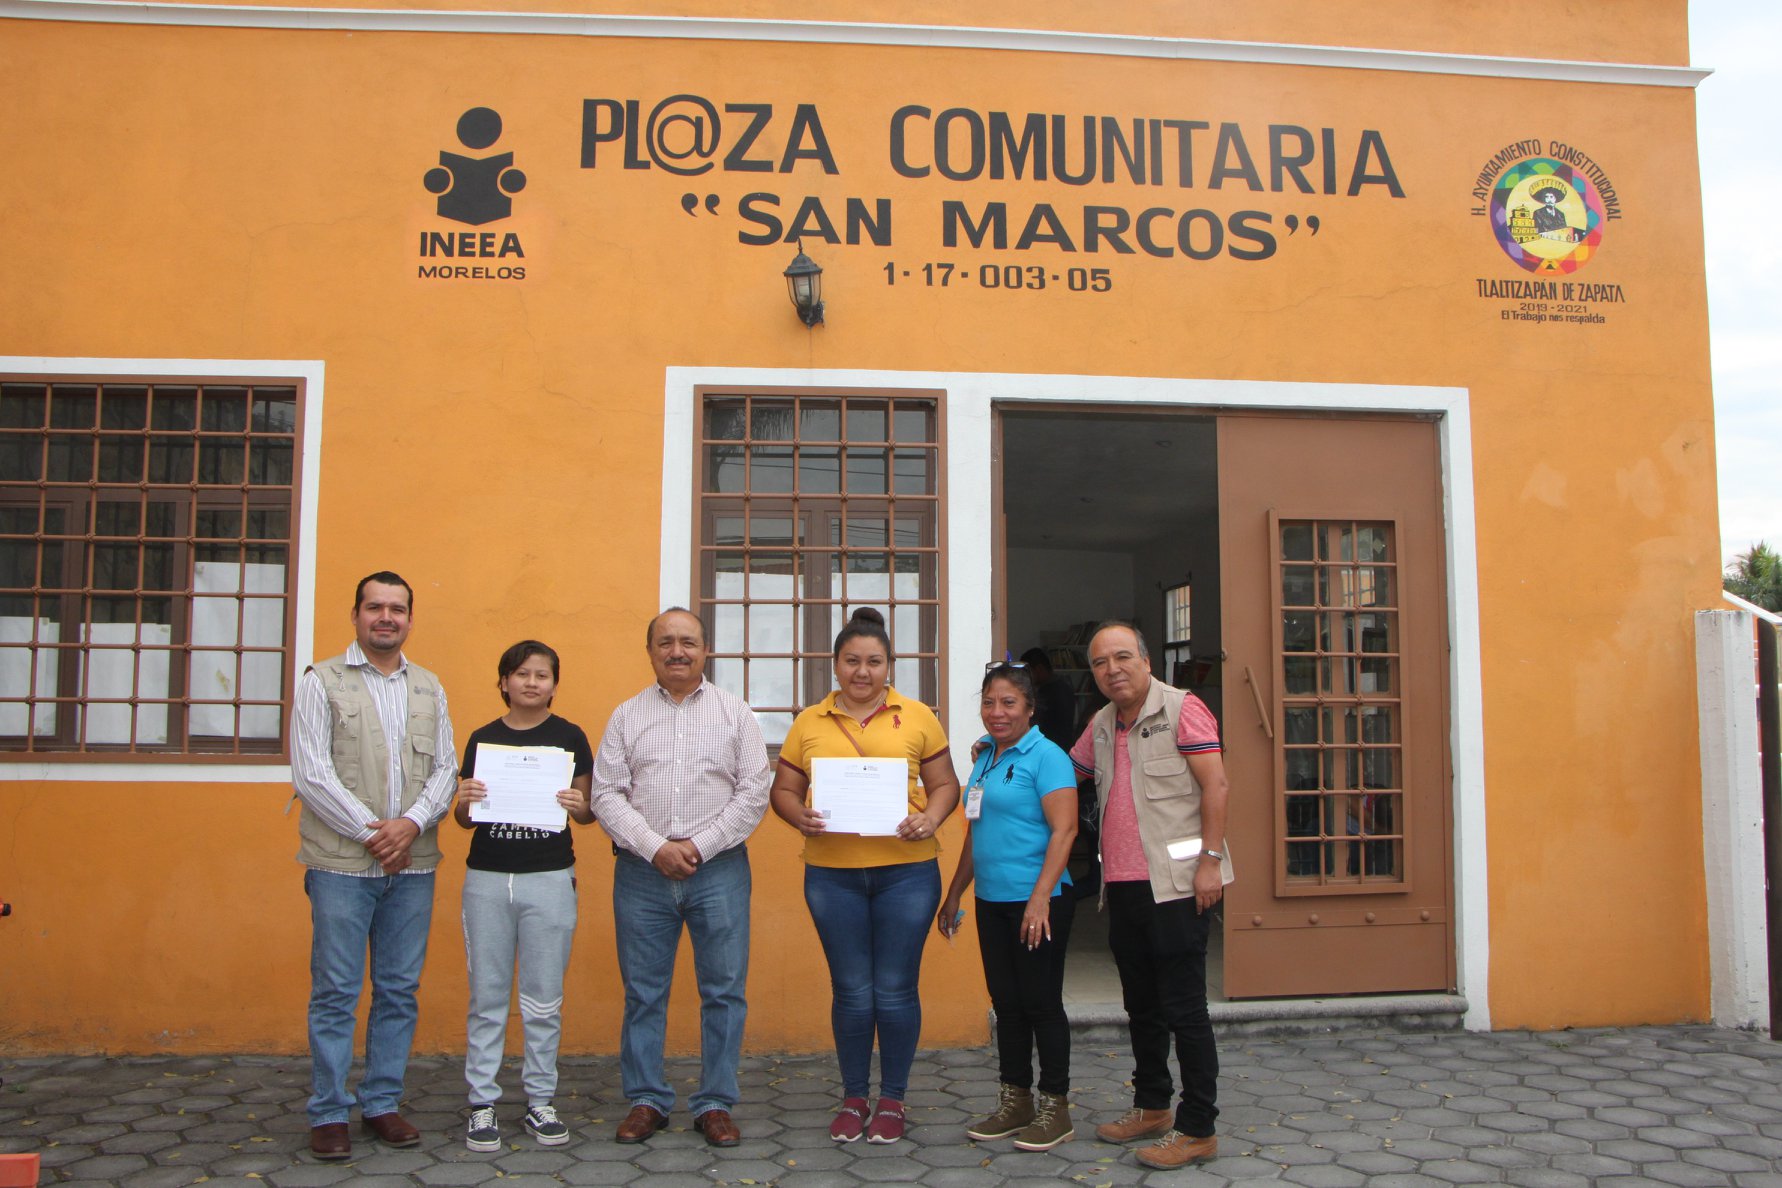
x,y
1161,952
1027,989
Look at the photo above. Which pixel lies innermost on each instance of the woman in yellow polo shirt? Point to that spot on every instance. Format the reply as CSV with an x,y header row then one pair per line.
x,y
870,897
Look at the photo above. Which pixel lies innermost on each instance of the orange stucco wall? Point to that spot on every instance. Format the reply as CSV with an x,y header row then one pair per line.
x,y
212,193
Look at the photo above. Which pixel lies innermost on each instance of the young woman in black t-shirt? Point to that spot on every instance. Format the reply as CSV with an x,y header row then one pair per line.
x,y
520,898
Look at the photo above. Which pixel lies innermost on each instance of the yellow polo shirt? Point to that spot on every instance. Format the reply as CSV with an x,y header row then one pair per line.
x,y
901,728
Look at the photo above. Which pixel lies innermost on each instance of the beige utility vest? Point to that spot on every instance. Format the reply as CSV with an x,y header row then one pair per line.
x,y
1163,789
362,761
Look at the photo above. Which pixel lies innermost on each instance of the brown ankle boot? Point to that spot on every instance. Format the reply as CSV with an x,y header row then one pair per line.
x,y
1135,1124
1014,1111
1176,1149
1050,1125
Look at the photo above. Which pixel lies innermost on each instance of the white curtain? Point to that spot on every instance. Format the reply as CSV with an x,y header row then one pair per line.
x,y
15,673
112,667
216,612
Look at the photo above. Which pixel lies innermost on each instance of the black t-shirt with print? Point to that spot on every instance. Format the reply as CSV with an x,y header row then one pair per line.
x,y
520,849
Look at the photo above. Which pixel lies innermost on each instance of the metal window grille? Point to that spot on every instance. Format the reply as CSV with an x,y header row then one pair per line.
x,y
146,584
1341,704
811,506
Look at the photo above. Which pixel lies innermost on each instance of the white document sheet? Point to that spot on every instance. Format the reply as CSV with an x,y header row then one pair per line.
x,y
523,783
867,796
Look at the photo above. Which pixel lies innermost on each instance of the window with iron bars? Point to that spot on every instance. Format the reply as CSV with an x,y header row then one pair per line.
x,y
1342,705
146,584
809,506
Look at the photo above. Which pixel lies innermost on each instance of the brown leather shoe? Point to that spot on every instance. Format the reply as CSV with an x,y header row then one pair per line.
x,y
718,1128
1176,1149
331,1141
641,1123
1135,1124
393,1130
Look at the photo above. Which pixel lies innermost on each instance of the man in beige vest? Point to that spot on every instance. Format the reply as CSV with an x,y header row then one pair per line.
x,y
1154,752
372,759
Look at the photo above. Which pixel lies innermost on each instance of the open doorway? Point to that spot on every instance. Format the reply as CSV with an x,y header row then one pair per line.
x,y
1112,514
1289,569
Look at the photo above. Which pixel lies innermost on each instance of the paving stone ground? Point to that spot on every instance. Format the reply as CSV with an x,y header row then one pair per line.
x,y
1660,1105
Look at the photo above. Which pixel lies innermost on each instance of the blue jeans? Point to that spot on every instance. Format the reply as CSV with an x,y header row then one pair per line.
x,y
649,910
389,915
873,922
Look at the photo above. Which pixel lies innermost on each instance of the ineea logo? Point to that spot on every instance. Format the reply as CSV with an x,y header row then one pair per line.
x,y
475,190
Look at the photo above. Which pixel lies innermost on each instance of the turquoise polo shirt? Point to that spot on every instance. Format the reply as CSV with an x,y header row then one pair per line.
x,y
1009,838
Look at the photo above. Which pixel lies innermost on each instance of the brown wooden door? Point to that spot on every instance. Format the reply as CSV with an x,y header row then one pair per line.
x,y
1336,706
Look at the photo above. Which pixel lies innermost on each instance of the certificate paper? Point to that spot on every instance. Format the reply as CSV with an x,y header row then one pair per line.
x,y
866,796
523,783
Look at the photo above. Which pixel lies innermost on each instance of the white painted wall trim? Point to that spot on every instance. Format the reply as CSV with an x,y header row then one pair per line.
x,y
848,33
969,467
1732,818
1466,702
311,373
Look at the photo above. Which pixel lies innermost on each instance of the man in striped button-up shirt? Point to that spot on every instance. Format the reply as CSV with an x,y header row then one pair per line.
x,y
680,781
373,760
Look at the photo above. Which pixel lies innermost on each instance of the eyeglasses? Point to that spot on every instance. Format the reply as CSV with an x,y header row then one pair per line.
x,y
996,664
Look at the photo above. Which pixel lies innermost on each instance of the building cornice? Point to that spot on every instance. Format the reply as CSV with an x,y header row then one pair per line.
x,y
686,28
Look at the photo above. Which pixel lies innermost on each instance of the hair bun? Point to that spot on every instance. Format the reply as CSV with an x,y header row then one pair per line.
x,y
868,615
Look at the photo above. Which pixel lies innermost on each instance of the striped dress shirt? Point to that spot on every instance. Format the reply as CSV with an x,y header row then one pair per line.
x,y
695,769
312,755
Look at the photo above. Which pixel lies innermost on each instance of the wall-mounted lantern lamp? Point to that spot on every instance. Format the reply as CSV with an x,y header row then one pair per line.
x,y
804,280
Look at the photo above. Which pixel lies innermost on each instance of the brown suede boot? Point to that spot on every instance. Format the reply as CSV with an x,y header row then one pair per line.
x,y
1176,1149
1050,1125
1014,1111
1135,1124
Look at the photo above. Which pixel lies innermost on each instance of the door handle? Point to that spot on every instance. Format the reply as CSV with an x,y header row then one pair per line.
x,y
1268,727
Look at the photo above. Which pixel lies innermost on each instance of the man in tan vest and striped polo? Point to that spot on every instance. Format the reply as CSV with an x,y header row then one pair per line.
x,y
1159,776
373,760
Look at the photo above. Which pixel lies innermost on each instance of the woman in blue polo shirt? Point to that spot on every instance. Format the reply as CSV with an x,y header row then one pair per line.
x,y
1021,817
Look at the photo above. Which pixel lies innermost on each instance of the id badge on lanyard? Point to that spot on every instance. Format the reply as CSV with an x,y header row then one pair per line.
x,y
974,795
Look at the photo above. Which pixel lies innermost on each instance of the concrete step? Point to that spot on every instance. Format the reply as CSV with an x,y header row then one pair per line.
x,y
1106,1022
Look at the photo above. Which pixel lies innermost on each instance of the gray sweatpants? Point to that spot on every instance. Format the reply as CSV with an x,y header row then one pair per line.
x,y
535,915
